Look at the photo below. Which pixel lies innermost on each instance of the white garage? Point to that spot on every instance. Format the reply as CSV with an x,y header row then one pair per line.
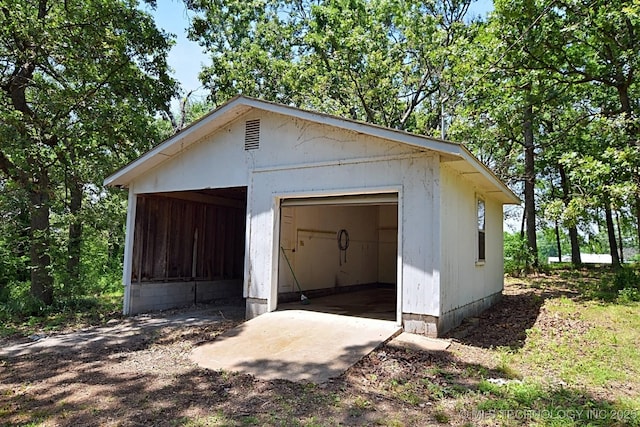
x,y
264,202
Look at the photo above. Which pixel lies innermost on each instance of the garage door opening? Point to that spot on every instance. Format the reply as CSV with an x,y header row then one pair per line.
x,y
188,248
343,252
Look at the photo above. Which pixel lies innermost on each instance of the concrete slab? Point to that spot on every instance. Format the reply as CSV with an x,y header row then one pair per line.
x,y
378,303
419,342
295,345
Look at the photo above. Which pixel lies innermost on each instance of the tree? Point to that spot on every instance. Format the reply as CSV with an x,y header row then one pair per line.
x,y
592,45
583,124
499,89
189,112
536,83
14,222
380,61
80,82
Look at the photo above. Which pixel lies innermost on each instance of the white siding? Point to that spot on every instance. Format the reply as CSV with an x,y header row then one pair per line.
x,y
128,250
420,293
290,141
218,161
284,169
463,280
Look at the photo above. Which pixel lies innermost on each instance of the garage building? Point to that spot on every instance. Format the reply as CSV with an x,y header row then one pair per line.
x,y
266,202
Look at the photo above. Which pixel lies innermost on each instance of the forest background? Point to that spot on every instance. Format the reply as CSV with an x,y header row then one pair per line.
x,y
544,92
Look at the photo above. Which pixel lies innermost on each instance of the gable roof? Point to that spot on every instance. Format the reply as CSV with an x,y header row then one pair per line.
x,y
458,156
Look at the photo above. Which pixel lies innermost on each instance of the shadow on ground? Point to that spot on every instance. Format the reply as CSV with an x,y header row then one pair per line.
x,y
149,380
155,386
505,324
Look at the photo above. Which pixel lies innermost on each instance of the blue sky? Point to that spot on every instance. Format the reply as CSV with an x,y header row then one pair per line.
x,y
186,57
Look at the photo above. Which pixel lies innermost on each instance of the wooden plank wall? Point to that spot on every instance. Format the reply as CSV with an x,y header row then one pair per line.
x,y
172,236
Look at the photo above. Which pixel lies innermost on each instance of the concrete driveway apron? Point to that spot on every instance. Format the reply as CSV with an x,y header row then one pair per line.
x,y
295,345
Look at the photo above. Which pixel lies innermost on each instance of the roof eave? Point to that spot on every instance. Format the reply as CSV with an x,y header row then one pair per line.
x,y
240,104
505,195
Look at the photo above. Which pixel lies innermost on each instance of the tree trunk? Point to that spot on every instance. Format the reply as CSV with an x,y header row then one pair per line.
x,y
558,242
529,183
573,230
75,235
41,279
633,129
620,246
576,259
611,233
638,216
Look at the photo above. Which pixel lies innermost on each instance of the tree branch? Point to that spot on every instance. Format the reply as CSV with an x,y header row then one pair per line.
x,y
12,172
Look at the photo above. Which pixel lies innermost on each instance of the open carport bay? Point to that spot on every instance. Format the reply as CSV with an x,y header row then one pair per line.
x,y
188,248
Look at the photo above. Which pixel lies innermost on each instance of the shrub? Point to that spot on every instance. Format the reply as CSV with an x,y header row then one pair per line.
x,y
628,295
626,278
624,284
19,302
517,255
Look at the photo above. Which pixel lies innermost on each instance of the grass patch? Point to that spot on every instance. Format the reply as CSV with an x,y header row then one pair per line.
x,y
583,346
219,419
533,403
591,344
75,313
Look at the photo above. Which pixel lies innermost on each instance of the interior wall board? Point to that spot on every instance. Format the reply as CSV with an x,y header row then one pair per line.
x,y
178,239
314,253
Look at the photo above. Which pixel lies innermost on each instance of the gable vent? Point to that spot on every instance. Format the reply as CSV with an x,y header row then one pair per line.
x,y
252,135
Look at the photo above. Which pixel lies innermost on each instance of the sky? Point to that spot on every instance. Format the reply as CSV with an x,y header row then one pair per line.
x,y
186,57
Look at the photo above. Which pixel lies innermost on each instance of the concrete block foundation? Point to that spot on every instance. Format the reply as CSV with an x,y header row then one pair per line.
x,y
152,296
422,324
433,326
453,318
256,307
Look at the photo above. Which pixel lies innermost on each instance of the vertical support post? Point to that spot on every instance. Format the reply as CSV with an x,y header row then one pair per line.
x,y
399,262
272,302
128,250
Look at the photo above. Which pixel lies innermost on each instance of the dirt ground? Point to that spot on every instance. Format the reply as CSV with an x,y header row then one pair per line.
x,y
148,379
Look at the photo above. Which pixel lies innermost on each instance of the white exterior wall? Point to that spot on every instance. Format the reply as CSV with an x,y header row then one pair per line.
x,y
282,170
467,286
128,250
218,161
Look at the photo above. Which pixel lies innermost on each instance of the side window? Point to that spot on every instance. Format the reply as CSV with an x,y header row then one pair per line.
x,y
480,209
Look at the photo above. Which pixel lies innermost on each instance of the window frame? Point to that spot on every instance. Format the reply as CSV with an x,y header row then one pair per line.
x,y
481,230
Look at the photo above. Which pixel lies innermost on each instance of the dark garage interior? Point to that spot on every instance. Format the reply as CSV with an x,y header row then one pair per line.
x,y
188,247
